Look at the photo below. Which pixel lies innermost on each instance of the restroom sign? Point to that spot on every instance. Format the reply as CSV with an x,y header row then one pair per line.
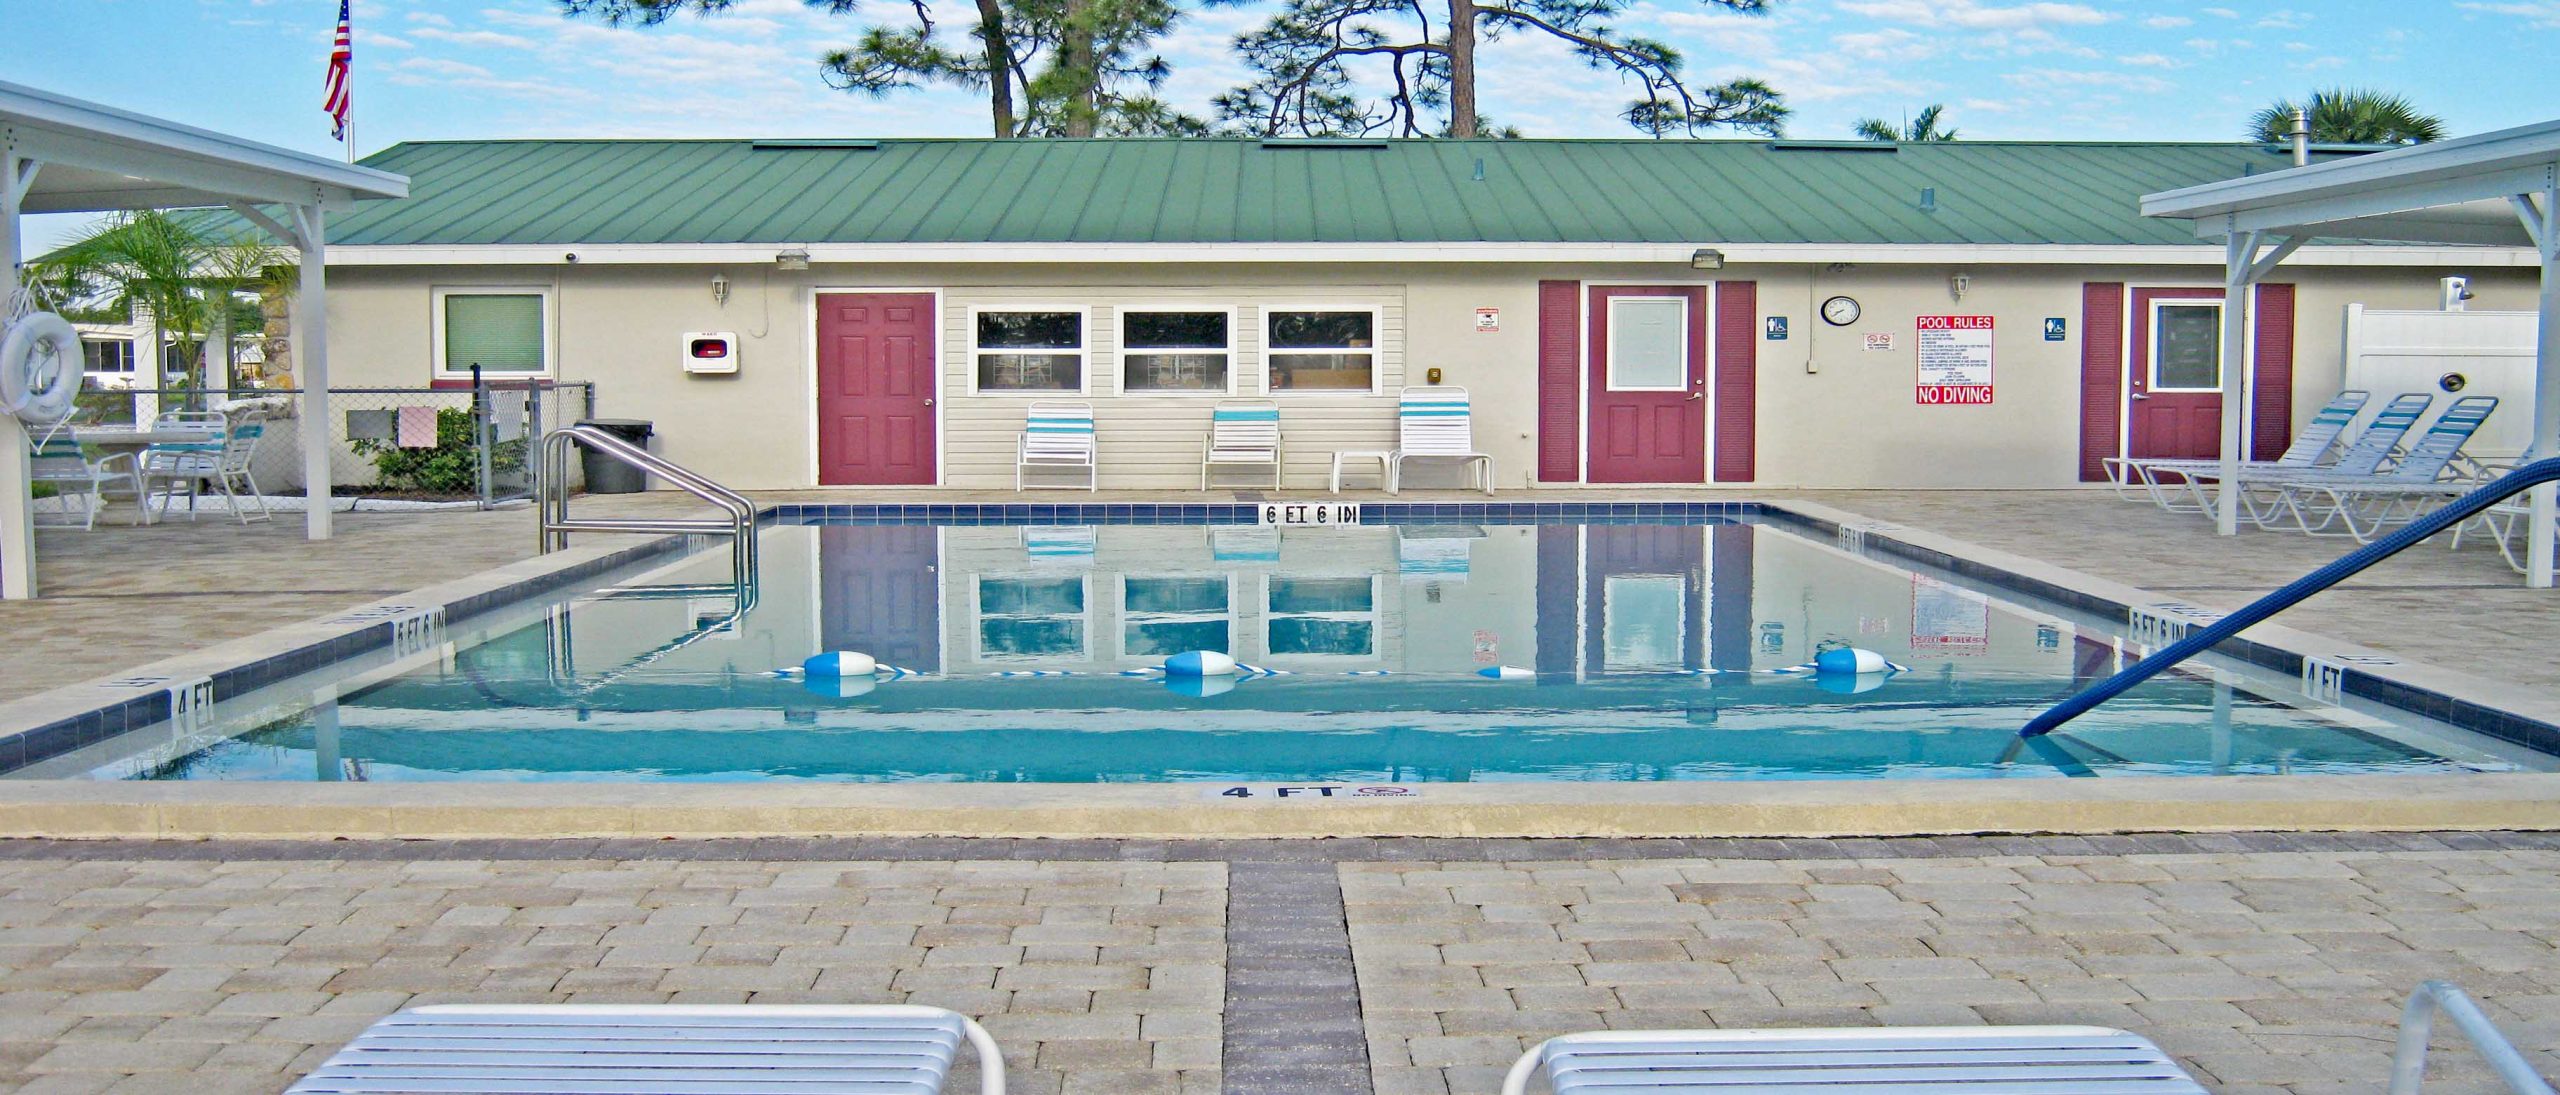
x,y
1954,360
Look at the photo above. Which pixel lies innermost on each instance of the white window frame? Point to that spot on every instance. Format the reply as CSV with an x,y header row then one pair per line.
x,y
550,330
1375,617
978,619
2151,342
1121,350
1377,349
1125,619
1688,367
1084,354
132,361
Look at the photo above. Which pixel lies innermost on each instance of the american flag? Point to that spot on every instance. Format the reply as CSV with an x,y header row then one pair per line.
x,y
339,56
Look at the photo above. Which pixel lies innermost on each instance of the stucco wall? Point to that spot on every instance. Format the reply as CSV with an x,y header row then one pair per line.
x,y
1830,413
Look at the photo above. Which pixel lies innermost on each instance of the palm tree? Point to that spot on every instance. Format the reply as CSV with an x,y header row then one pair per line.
x,y
185,274
1923,128
2350,116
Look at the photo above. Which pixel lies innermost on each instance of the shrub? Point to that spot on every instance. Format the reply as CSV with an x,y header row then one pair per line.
x,y
452,467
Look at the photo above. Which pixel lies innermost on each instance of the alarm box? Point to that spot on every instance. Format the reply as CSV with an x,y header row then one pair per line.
x,y
711,352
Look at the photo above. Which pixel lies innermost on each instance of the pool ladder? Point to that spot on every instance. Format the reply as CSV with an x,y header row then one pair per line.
x,y
552,500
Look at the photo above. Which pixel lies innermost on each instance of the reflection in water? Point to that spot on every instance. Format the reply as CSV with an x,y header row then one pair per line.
x,y
1379,632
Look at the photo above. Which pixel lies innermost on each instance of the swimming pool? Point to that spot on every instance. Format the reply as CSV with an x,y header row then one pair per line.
x,y
1642,648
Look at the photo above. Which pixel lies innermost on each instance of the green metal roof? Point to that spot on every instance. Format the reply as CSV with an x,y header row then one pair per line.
x,y
1246,191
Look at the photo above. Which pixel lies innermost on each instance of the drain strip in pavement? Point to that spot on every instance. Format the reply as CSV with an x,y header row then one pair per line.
x,y
1293,1005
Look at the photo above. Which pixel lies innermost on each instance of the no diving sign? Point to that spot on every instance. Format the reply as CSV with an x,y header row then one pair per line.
x,y
1954,360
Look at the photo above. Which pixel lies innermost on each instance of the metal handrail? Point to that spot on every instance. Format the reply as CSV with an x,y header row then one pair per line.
x,y
2409,1062
553,504
2347,566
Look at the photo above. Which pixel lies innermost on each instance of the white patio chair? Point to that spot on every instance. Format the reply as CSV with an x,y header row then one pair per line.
x,y
225,463
2318,438
1242,435
57,459
2054,1060
892,1049
1437,422
1057,435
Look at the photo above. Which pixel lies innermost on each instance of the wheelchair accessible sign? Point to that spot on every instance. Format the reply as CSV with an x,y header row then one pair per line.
x,y
1954,361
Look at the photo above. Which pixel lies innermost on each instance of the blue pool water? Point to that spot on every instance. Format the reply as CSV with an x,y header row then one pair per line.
x,y
1644,652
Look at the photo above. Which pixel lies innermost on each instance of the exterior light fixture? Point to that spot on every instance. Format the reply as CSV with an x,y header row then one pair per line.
x,y
1706,258
1958,284
719,288
796,258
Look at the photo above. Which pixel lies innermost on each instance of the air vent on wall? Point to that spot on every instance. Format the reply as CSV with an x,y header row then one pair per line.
x,y
813,144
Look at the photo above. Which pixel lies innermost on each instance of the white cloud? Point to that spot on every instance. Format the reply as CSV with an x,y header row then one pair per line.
x,y
2054,79
2151,60
2544,14
1975,15
2167,22
2285,20
2222,13
476,39
429,18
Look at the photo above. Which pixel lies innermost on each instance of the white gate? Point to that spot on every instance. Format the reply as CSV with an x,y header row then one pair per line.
x,y
2390,351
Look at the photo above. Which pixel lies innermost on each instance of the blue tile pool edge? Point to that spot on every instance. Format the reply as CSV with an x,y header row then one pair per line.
x,y
44,741
1241,513
2508,726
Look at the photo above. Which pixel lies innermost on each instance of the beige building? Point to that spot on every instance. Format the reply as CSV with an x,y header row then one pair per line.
x,y
1620,312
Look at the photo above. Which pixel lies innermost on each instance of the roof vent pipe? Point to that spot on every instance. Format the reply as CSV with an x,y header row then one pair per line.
x,y
1928,199
2301,137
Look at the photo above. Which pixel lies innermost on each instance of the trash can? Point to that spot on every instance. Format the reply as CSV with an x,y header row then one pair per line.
x,y
606,475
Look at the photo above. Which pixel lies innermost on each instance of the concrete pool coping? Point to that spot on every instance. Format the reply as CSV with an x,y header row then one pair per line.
x,y
1811,808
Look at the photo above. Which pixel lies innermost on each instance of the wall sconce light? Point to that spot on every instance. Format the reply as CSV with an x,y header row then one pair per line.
x,y
1706,258
720,289
1957,285
796,258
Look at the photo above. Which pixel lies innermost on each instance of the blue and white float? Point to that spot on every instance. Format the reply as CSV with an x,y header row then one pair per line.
x,y
840,688
1507,673
1845,661
1199,687
840,663
1200,663
1850,684
1011,673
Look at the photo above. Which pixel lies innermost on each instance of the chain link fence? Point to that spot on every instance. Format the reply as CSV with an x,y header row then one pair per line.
x,y
468,443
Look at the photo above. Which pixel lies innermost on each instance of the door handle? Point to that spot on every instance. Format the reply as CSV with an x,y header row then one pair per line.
x,y
1697,395
930,402
2142,395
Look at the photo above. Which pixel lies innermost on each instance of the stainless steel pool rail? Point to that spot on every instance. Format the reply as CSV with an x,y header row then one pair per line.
x,y
2202,639
2409,1060
552,504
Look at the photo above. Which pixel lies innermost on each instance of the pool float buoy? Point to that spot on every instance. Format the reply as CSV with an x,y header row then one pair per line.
x,y
840,663
1199,687
1850,684
840,688
1507,673
1200,663
1845,660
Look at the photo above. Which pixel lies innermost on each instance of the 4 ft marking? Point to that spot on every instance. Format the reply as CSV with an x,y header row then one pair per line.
x,y
1313,792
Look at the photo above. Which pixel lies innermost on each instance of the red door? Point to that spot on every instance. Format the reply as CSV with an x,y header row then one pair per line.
x,y
1648,377
2175,381
875,388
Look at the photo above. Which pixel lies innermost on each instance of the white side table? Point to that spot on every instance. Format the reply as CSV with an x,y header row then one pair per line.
x,y
1382,457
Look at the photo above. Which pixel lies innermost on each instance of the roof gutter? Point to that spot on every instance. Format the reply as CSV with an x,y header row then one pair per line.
x,y
1011,254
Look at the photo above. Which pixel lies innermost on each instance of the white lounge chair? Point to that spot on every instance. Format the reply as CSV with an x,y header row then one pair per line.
x,y
2053,1060
1437,423
1057,435
57,459
2363,504
225,463
2309,448
891,1049
1242,435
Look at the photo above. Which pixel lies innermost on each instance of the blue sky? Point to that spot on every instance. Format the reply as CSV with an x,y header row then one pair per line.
x,y
427,69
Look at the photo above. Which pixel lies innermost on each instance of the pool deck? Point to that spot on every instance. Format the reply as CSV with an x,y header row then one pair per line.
x,y
2264,962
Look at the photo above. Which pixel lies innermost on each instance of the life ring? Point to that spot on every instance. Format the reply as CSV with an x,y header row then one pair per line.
x,y
40,368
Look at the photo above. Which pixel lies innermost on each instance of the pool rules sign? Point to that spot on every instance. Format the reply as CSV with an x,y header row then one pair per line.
x,y
1955,360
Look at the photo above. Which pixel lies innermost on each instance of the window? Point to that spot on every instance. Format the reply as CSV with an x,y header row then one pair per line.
x,y
506,332
1028,351
1031,619
1335,617
1648,344
1160,617
1644,623
1319,351
2186,345
1169,351
107,355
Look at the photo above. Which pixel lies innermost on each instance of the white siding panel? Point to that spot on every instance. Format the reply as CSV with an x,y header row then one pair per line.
x,y
1153,441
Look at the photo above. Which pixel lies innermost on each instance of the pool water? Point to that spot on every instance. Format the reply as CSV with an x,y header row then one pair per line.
x,y
1641,652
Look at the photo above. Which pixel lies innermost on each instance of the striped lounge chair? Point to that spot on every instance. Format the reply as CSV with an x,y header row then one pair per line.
x,y
2049,1060
2365,504
1242,435
2172,483
56,459
888,1049
1437,423
1057,435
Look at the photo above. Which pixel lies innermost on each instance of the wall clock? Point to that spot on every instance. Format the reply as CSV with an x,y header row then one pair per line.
x,y
1840,311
